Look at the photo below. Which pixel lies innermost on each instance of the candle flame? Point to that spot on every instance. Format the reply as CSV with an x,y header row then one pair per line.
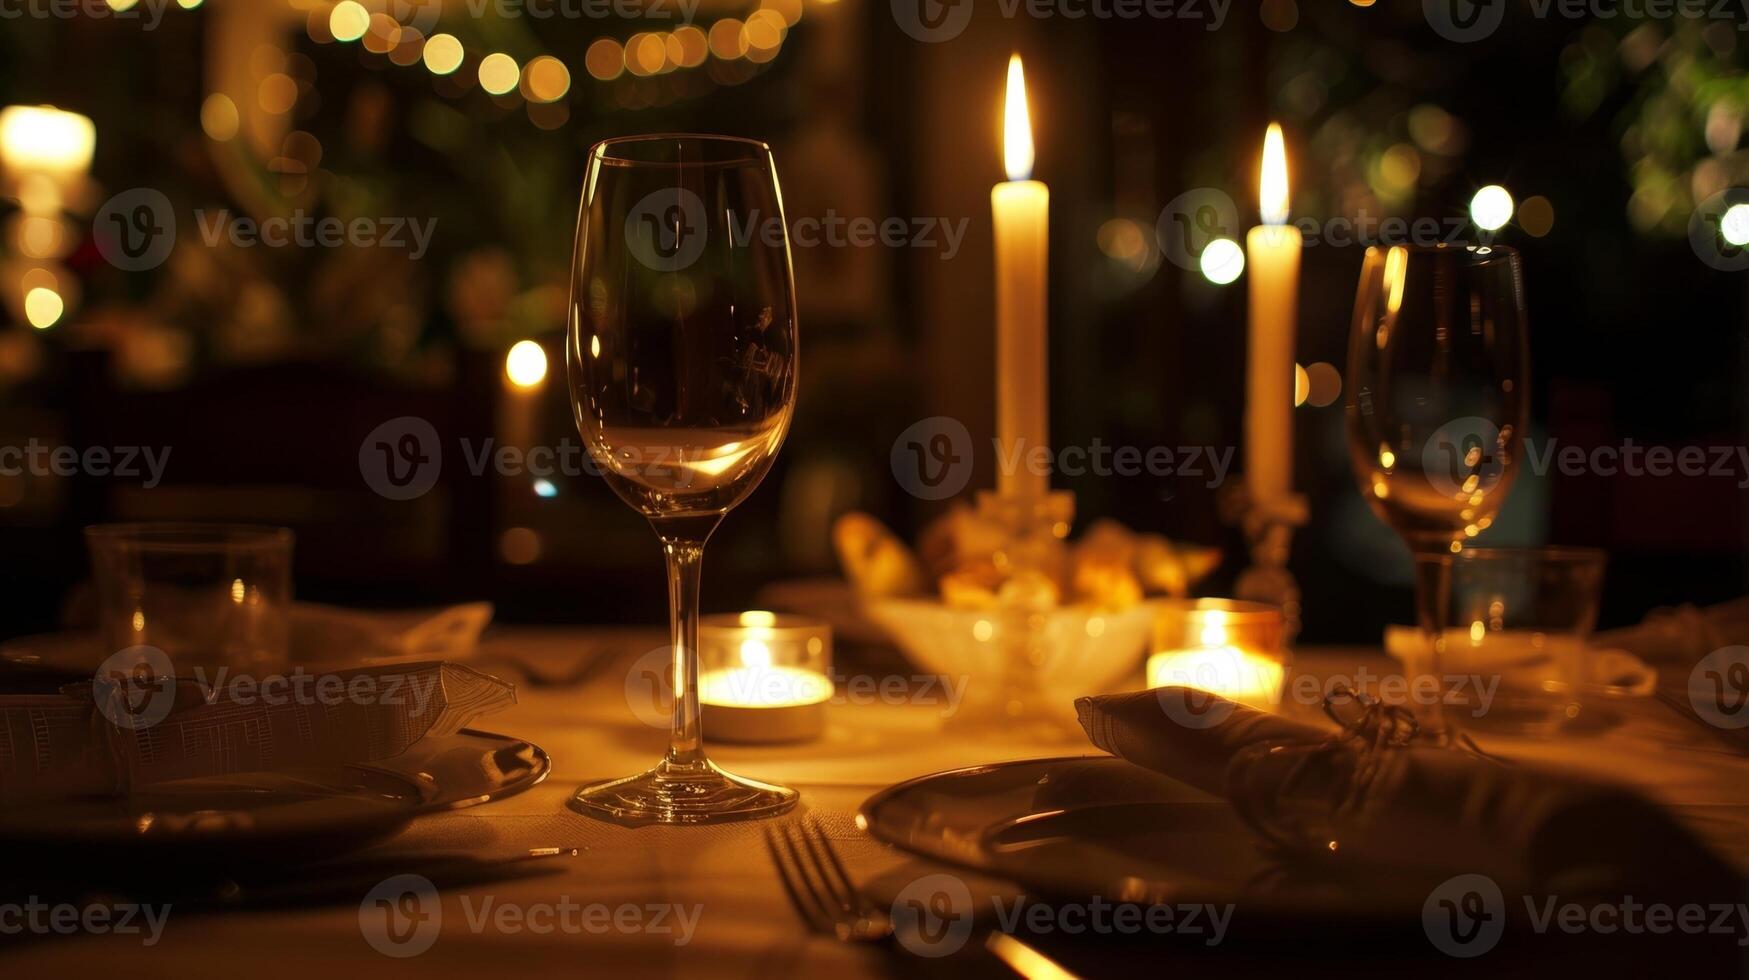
x,y
43,139
1272,186
1017,154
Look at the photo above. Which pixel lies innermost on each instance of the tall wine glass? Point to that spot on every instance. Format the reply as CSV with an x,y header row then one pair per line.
x,y
682,362
1438,396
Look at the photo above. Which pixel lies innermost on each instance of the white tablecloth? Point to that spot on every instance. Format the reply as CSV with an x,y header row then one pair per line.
x,y
745,926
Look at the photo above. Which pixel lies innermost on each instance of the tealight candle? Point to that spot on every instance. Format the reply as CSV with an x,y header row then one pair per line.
x,y
1226,647
764,677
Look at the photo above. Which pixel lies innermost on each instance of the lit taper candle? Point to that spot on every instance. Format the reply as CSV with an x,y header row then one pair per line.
x,y
1021,207
1272,253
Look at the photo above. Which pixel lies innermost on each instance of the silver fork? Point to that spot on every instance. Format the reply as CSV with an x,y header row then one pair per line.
x,y
818,886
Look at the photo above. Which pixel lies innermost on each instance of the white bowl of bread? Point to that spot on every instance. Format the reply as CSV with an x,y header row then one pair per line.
x,y
953,608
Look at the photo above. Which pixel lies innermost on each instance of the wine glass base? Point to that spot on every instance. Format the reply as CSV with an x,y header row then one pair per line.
x,y
671,794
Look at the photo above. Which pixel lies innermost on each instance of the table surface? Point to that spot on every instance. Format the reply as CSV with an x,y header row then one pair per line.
x,y
718,879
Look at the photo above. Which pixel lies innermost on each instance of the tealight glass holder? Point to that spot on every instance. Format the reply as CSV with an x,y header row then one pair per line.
x,y
1228,647
764,677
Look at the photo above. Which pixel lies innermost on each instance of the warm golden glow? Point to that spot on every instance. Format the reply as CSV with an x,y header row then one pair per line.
x,y
1227,671
758,617
1017,151
43,307
526,364
443,54
348,20
46,140
1272,182
547,79
219,118
499,74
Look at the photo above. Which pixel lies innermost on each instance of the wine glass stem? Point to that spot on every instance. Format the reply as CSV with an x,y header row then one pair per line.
x,y
1432,584
685,562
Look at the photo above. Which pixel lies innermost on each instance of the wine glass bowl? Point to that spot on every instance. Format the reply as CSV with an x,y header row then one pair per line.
x,y
681,356
1438,388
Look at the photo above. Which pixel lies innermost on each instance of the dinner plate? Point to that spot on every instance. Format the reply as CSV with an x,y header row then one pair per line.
x,y
281,815
1079,827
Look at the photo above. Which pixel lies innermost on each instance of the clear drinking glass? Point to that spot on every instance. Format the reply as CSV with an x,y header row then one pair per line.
x,y
1508,629
1438,396
207,595
682,358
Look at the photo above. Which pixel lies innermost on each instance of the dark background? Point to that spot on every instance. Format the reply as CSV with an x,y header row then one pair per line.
x,y
264,369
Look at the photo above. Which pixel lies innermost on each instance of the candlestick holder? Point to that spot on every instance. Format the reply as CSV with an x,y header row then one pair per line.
x,y
1034,530
1268,526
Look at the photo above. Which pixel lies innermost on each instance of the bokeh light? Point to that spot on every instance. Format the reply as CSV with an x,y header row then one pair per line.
x,y
605,60
43,307
526,364
443,54
499,73
348,21
546,79
1491,208
1222,261
1734,226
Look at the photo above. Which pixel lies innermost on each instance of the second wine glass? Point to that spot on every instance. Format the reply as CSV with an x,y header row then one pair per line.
x,y
1437,403
682,358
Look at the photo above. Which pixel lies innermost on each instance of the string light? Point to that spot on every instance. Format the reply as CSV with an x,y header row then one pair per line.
x,y
544,81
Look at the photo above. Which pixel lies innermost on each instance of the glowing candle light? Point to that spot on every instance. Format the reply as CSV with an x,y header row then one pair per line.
x,y
1228,648
763,677
1021,208
1273,257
